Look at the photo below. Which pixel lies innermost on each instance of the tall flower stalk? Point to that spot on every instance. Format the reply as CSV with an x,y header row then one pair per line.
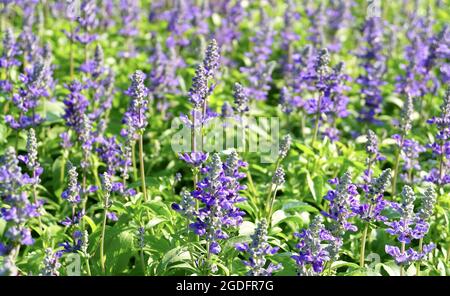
x,y
32,162
409,226
202,86
369,209
107,188
218,193
440,176
405,127
136,118
241,108
257,251
373,61
278,176
16,209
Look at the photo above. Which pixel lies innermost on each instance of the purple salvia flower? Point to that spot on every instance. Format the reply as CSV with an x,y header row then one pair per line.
x,y
28,43
51,263
88,21
104,91
441,146
241,99
86,140
228,31
259,72
163,77
289,102
288,37
72,193
257,251
226,110
95,67
106,14
211,62
314,248
10,52
373,155
370,207
178,23
410,154
329,84
17,209
338,16
136,113
415,80
28,98
31,159
373,62
317,19
195,159
342,200
109,151
187,205
76,105
410,226
199,89
130,13
218,192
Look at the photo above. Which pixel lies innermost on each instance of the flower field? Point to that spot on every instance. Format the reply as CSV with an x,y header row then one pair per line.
x,y
225,137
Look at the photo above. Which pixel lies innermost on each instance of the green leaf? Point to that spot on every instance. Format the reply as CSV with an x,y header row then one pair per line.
x,y
298,206
174,256
338,264
2,227
311,186
90,222
305,149
155,221
391,269
119,248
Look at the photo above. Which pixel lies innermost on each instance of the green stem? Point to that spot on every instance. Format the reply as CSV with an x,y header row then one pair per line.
x,y
441,163
420,251
402,272
83,189
71,53
144,270
316,126
88,267
35,201
447,256
272,201
269,195
142,169
363,246
208,258
133,154
396,164
102,241
251,186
